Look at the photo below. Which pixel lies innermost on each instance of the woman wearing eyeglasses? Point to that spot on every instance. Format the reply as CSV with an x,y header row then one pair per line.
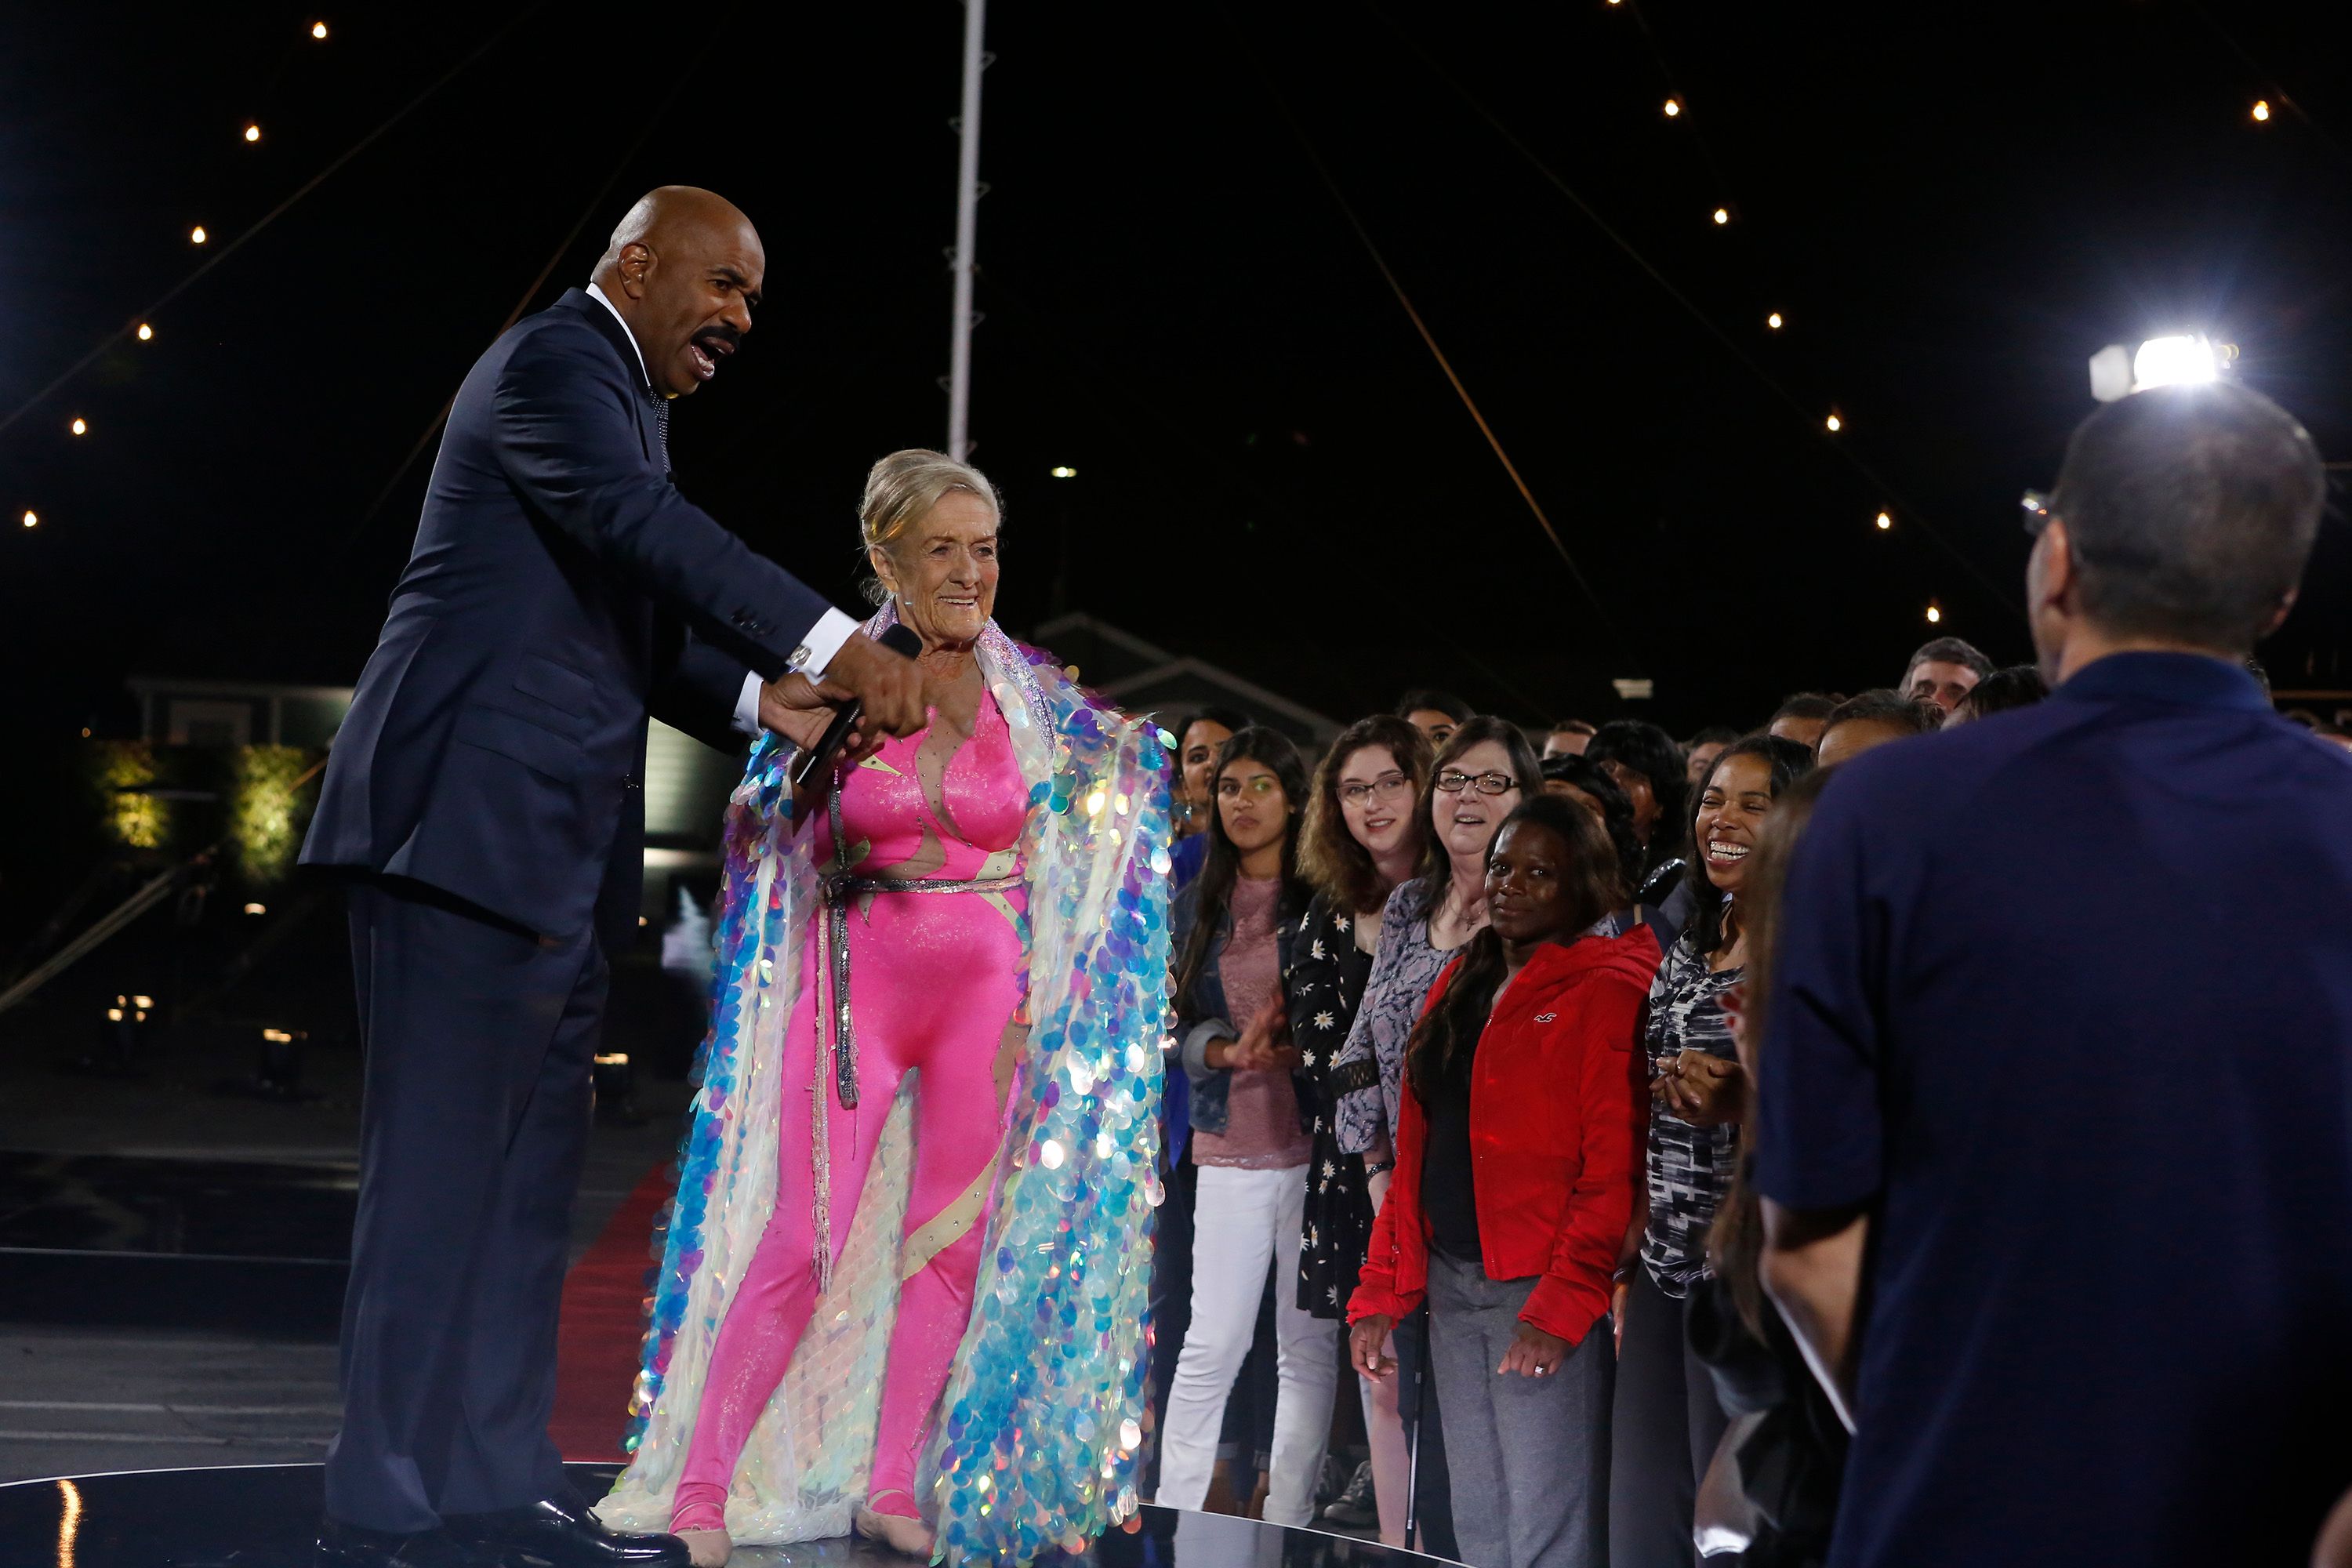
x,y
1482,773
1362,837
1250,1134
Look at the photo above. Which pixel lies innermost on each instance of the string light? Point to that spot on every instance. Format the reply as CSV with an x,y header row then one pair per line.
x,y
145,332
1835,424
1674,107
1722,216
1773,321
1935,615
32,517
1885,522
252,131
196,235
2261,110
319,30
80,426
1065,472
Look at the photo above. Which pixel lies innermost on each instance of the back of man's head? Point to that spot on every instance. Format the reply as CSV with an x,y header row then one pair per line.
x,y
2189,513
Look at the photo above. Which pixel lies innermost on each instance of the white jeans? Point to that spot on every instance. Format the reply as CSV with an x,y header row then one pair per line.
x,y
1244,1222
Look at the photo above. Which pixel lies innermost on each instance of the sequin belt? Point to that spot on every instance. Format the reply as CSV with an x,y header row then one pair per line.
x,y
837,886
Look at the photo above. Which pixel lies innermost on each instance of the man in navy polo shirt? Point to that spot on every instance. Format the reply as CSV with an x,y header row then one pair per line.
x,y
2055,1103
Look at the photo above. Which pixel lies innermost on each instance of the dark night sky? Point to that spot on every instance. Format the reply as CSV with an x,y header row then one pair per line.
x,y
1954,210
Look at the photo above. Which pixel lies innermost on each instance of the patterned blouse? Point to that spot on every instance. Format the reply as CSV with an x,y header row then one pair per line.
x,y
1323,984
1402,972
1690,1167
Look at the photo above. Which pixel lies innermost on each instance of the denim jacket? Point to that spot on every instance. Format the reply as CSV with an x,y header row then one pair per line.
x,y
1201,1012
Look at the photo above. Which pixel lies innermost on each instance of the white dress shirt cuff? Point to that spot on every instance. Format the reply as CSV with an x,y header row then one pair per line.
x,y
747,705
812,659
814,656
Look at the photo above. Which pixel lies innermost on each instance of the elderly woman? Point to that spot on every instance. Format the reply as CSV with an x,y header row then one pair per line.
x,y
932,1077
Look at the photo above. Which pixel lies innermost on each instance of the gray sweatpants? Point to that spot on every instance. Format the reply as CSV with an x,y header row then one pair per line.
x,y
1529,1455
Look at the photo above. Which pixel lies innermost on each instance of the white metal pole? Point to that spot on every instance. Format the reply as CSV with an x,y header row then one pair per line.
x,y
967,221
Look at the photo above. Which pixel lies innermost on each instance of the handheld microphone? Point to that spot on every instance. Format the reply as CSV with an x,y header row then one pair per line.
x,y
900,640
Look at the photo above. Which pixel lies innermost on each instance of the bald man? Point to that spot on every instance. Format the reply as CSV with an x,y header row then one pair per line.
x,y
484,801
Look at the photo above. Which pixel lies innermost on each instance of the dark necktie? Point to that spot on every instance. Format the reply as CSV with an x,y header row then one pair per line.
x,y
661,424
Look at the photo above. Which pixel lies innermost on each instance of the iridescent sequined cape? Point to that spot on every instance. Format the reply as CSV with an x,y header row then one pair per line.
x,y
1037,1435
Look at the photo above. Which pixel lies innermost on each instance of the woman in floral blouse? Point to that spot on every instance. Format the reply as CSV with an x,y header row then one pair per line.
x,y
1360,839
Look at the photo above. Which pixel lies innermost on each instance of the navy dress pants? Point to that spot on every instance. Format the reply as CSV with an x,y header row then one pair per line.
x,y
479,1037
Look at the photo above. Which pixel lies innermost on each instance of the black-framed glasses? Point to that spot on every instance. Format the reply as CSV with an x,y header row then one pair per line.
x,y
1387,788
1453,781
2036,507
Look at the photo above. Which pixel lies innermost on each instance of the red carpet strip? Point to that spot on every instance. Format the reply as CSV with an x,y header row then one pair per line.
x,y
604,1327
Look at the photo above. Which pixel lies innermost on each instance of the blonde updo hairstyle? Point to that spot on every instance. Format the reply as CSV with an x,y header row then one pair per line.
x,y
900,491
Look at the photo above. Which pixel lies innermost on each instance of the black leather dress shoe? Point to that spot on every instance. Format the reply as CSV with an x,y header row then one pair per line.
x,y
344,1545
558,1532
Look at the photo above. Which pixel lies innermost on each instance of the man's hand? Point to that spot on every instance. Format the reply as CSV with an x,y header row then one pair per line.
x,y
1534,1353
1364,1343
890,685
791,708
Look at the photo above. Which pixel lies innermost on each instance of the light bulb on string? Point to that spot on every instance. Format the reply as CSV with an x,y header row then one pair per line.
x,y
1674,107
1722,216
2261,110
32,517
197,236
319,30
81,426
1833,423
1934,614
1885,522
252,131
145,332
1773,321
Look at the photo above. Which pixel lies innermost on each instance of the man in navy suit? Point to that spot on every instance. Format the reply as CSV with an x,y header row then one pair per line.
x,y
484,800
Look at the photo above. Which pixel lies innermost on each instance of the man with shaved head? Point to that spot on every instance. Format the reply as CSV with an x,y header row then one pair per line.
x,y
484,803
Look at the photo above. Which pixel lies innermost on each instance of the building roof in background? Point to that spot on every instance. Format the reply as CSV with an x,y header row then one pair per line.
x,y
1143,677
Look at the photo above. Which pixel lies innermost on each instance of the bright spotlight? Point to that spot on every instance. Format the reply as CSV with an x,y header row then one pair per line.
x,y
2171,362
1064,473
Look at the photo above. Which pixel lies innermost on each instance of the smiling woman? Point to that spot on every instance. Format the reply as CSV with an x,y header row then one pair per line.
x,y
1668,1422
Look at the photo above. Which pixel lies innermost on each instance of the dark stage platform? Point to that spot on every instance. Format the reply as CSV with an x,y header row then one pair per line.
x,y
263,1516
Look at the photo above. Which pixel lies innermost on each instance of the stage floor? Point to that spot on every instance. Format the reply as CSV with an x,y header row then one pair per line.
x,y
265,1516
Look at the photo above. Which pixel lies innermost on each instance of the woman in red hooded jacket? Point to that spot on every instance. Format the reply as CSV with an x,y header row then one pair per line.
x,y
1518,1150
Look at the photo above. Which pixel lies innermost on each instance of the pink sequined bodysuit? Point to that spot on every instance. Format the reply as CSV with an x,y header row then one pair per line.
x,y
935,986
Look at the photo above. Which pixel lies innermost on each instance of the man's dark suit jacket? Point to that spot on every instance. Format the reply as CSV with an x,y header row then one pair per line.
x,y
561,588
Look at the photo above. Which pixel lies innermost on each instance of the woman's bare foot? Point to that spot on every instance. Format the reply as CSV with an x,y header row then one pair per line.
x,y
908,1537
707,1548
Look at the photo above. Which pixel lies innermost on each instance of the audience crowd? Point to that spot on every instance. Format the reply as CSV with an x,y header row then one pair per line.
x,y
1910,1128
